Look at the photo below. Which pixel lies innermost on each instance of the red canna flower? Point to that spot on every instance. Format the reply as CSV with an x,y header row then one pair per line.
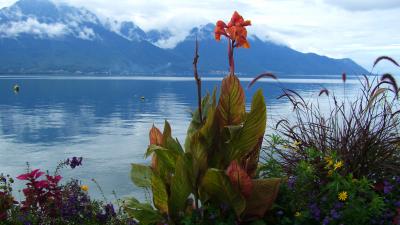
x,y
236,33
235,30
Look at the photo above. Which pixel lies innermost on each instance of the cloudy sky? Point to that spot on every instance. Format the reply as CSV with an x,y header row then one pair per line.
x,y
358,29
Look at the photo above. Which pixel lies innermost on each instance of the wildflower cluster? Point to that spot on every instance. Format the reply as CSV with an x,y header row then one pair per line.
x,y
311,197
6,199
47,201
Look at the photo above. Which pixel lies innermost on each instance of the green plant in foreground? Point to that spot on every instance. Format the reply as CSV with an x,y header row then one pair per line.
x,y
213,175
327,196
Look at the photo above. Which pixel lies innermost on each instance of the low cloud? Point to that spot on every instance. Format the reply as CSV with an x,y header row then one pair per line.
x,y
32,26
365,5
86,34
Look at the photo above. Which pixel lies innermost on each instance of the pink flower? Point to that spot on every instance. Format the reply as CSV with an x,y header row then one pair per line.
x,y
31,176
53,179
41,184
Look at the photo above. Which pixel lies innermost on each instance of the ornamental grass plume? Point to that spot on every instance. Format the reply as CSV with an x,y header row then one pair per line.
x,y
362,132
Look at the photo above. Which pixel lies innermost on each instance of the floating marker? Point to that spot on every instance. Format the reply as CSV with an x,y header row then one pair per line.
x,y
16,88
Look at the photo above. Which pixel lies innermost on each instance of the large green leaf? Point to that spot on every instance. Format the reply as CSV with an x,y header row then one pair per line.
x,y
152,148
160,194
262,198
209,129
181,185
141,175
198,151
218,186
173,145
167,133
253,129
142,212
195,125
231,104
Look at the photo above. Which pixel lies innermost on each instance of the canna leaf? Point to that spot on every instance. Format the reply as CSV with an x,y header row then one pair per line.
x,y
155,136
251,159
195,124
142,212
262,197
141,175
198,151
217,185
181,185
208,130
167,133
160,195
231,105
253,129
239,178
165,161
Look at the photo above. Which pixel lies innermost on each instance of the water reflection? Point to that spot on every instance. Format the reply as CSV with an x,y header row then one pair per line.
x,y
106,121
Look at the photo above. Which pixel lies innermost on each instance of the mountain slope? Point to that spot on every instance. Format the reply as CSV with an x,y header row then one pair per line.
x,y
38,36
260,57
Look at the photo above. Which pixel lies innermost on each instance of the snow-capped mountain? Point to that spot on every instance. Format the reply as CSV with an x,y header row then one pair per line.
x,y
39,36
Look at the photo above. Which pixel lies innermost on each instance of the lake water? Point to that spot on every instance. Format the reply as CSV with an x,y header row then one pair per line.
x,y
105,120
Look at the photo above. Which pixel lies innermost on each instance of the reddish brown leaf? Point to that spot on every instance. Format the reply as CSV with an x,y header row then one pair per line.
x,y
262,197
240,179
155,136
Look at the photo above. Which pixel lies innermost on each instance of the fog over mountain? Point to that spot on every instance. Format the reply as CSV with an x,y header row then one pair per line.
x,y
38,36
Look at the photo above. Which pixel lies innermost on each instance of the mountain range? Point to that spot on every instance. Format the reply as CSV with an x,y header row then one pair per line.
x,y
39,36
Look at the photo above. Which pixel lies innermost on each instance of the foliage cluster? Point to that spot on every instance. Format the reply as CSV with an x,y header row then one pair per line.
x,y
47,202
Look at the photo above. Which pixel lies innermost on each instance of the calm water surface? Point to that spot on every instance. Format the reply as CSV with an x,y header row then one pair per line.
x,y
105,121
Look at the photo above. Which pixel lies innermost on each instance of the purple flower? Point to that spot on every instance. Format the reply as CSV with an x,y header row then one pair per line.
x,y
315,211
325,221
74,162
338,205
280,213
291,182
335,215
387,188
110,212
397,204
398,180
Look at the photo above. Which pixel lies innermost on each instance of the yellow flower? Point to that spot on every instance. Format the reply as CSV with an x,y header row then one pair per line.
x,y
330,172
329,161
338,165
342,196
297,143
297,214
84,188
